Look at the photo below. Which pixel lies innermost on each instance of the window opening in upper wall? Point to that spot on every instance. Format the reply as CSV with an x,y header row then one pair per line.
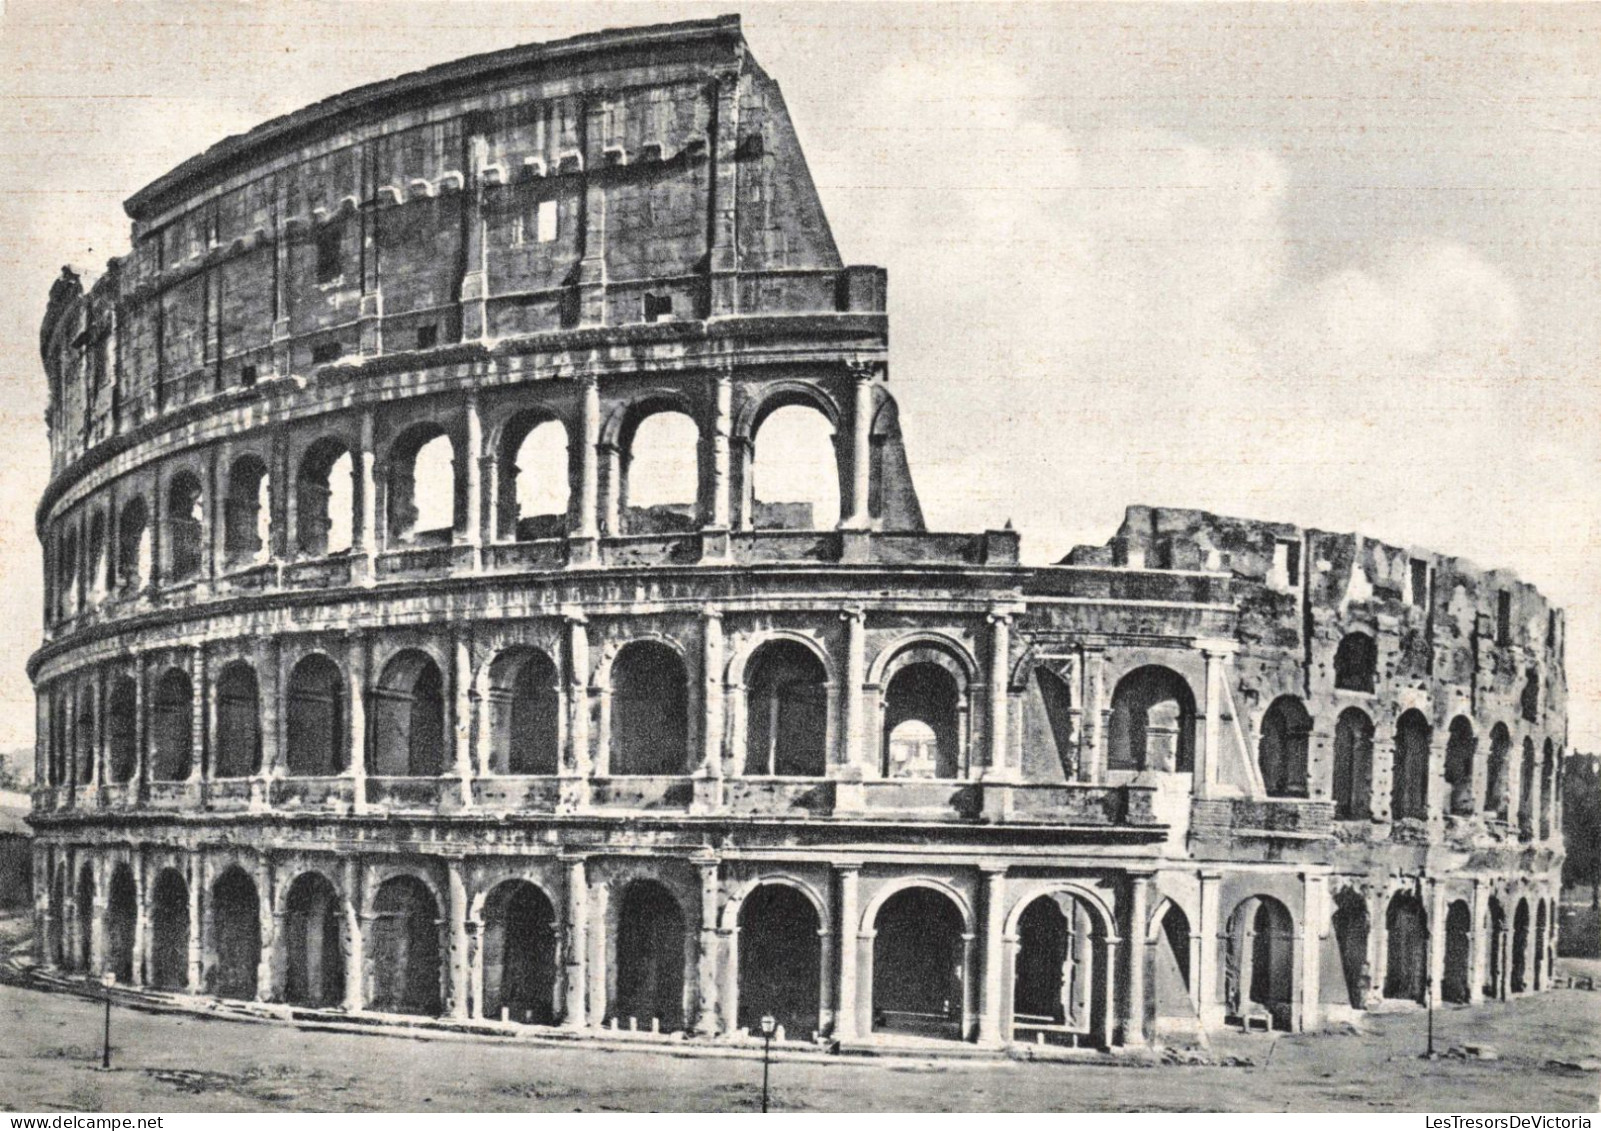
x,y
330,253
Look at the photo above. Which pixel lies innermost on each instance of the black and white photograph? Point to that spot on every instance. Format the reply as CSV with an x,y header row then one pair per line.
x,y
491,620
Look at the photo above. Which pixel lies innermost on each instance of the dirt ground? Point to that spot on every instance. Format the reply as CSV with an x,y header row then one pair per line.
x,y
50,1056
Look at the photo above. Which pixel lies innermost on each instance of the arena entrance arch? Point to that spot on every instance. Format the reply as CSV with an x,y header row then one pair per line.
x,y
405,948
780,960
651,957
122,917
314,937
1351,929
1539,945
1520,947
235,935
1260,970
1060,976
1457,979
521,981
169,932
1406,931
1496,939
918,965
86,919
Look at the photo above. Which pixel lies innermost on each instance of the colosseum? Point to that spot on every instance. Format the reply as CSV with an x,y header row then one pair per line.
x,y
371,687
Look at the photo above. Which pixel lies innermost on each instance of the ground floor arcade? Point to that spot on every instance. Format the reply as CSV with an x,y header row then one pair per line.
x,y
857,949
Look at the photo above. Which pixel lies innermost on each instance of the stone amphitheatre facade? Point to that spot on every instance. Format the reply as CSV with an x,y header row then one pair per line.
x,y
365,687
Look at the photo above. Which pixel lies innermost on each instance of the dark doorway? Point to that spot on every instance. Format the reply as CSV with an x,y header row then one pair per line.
x,y
315,966
520,955
1351,936
1407,947
405,948
169,932
650,958
780,961
236,935
1520,947
649,711
1060,974
786,712
917,965
122,918
1457,978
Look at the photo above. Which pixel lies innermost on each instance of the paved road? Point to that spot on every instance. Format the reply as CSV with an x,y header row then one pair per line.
x,y
50,1046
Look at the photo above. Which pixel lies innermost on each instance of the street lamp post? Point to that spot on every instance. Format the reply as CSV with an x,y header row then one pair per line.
x,y
769,1025
108,979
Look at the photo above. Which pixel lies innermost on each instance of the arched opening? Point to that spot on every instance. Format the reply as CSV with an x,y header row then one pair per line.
x,y
236,936
1260,971
1050,735
1526,792
238,752
186,532
1520,947
1353,766
84,733
1460,746
246,514
660,465
1281,753
925,715
1355,662
649,710
521,980
1539,945
405,948
1495,774
918,965
96,556
122,918
1351,937
1409,789
171,722
122,729
426,500
67,571
786,712
794,471
409,735
325,491
1406,930
524,713
1497,938
1548,765
535,489
1457,978
133,545
650,958
1529,700
1153,722
169,932
780,961
56,769
316,718
1059,977
86,917
56,925
1170,974
314,967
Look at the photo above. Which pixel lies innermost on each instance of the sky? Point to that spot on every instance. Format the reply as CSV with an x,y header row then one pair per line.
x,y
1336,265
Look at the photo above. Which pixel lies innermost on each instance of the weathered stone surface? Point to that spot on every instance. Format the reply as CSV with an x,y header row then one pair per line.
x,y
312,734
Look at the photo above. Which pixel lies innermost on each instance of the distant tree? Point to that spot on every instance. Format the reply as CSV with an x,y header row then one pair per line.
x,y
1581,825
16,770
